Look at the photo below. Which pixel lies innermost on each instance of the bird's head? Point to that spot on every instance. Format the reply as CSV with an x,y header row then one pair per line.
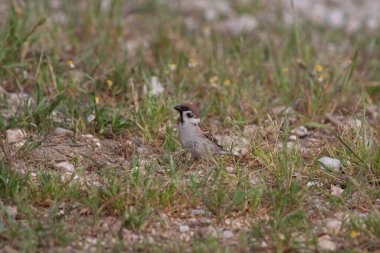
x,y
188,113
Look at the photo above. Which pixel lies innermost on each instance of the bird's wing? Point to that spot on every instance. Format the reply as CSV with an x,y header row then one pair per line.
x,y
207,134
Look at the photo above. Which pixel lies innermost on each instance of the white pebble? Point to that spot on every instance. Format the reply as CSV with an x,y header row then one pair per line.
x,y
300,131
15,135
325,243
205,220
184,228
198,212
90,118
59,131
330,163
227,234
314,183
11,211
230,170
333,226
336,190
88,136
69,167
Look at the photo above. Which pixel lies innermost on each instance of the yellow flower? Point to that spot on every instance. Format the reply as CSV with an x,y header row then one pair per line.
x,y
213,81
285,70
97,99
192,63
227,82
70,63
109,83
318,68
172,66
354,234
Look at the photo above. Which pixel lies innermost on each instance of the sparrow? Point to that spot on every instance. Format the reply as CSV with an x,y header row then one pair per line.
x,y
192,137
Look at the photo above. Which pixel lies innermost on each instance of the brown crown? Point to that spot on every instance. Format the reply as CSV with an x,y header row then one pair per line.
x,y
188,107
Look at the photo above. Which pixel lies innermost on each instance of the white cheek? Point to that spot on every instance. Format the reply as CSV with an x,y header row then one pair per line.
x,y
194,121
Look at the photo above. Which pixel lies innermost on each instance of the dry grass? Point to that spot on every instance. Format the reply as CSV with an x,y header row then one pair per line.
x,y
93,68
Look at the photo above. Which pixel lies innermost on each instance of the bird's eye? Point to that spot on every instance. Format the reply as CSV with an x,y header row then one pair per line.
x,y
189,115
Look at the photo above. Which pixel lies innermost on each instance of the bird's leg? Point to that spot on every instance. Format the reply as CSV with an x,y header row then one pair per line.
x,y
195,163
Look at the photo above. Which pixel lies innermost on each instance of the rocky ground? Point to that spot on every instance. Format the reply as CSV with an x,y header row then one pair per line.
x,y
89,154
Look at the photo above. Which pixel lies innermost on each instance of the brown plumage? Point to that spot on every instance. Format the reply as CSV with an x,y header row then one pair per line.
x,y
207,134
192,137
188,107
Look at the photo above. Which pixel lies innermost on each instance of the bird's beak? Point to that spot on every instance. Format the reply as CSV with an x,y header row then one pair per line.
x,y
177,107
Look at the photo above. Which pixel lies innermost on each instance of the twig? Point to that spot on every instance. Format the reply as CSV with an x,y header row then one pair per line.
x,y
134,95
333,120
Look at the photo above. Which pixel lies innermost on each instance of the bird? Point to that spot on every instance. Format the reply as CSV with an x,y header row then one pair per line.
x,y
192,137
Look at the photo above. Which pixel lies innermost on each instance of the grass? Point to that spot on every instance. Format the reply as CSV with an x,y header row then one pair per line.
x,y
85,68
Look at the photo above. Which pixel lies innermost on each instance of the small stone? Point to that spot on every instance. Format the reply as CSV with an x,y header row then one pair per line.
x,y
15,135
241,145
97,142
230,170
254,180
141,150
134,237
57,116
59,131
184,228
227,234
11,211
290,145
198,212
325,243
314,183
156,87
300,131
33,175
69,167
333,226
236,225
330,163
90,118
336,190
184,237
205,220
292,137
354,123
17,101
88,136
